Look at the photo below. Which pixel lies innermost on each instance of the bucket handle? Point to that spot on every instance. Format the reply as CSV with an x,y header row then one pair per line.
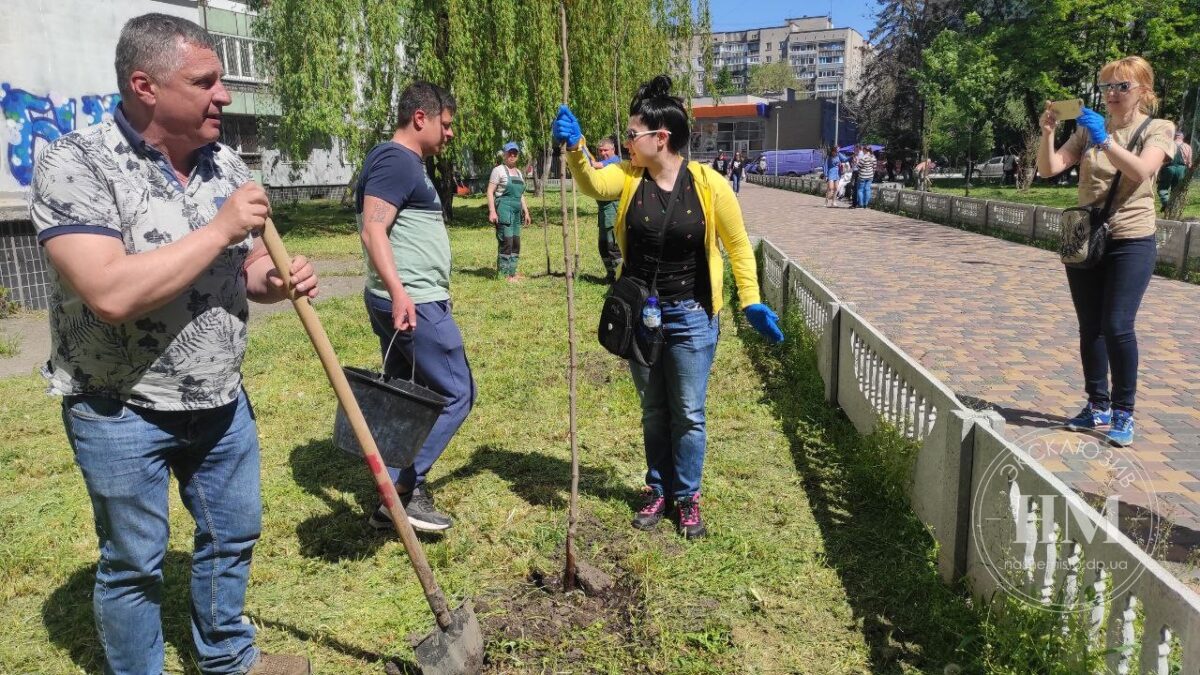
x,y
386,354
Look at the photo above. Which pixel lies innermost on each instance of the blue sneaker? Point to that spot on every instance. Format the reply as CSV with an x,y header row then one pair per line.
x,y
1090,418
1121,431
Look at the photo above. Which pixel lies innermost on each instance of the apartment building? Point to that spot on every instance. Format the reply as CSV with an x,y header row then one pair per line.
x,y
825,59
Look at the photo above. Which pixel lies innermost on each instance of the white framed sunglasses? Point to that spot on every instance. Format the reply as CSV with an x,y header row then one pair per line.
x,y
631,135
1119,87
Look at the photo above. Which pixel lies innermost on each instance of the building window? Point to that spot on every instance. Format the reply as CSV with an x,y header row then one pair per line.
x,y
238,55
240,132
731,136
768,45
768,58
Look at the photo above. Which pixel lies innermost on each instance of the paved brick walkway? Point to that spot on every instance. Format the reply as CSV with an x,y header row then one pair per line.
x,y
994,321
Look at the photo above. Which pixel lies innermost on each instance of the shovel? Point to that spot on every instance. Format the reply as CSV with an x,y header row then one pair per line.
x,y
455,647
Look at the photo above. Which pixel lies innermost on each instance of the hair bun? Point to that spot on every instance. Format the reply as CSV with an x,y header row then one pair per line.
x,y
659,86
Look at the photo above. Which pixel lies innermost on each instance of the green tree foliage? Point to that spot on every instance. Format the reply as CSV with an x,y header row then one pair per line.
x,y
888,102
337,67
771,77
1043,49
723,84
960,79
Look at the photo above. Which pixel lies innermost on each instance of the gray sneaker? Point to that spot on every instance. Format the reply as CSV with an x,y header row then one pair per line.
x,y
422,515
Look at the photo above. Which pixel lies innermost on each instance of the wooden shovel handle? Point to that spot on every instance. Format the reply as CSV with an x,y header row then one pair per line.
x,y
337,378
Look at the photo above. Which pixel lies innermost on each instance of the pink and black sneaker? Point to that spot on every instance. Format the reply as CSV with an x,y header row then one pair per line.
x,y
691,526
654,507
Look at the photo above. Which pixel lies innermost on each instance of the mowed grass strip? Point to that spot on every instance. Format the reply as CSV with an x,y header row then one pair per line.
x,y
779,586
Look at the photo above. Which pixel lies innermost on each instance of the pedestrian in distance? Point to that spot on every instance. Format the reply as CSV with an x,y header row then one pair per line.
x,y
151,227
833,174
737,171
1009,165
1173,174
853,183
681,262
606,214
407,293
1107,297
721,164
508,210
866,175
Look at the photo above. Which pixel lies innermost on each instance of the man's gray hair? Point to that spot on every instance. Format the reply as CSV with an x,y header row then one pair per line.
x,y
150,43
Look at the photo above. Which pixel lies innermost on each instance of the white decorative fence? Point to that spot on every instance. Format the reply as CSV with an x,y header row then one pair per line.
x,y
1035,223
1149,619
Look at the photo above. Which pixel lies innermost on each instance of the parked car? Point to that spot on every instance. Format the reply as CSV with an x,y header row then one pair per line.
x,y
789,162
991,169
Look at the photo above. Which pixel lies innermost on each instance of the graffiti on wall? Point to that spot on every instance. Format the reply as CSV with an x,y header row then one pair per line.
x,y
33,119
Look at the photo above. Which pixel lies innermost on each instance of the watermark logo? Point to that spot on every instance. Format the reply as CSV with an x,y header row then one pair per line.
x,y
1034,540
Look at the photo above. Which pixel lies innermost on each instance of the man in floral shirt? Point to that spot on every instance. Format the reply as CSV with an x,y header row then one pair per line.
x,y
149,225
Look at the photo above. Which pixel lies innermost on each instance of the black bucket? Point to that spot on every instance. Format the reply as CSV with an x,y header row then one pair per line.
x,y
399,413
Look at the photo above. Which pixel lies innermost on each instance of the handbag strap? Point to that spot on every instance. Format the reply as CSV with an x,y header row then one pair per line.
x,y
1112,190
666,222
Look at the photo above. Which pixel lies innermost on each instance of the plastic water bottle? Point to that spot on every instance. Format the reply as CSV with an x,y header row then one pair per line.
x,y
651,314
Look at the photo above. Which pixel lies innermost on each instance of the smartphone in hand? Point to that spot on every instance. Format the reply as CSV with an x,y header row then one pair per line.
x,y
1067,110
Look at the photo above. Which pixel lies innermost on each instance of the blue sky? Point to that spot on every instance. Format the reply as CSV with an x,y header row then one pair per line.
x,y
743,14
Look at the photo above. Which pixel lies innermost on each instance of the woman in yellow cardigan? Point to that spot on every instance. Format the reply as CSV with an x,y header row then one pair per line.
x,y
687,276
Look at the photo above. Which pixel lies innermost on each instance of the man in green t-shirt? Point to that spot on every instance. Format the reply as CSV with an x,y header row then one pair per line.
x,y
407,253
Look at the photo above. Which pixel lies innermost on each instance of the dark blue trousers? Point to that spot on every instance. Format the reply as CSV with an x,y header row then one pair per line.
x,y
441,366
1107,298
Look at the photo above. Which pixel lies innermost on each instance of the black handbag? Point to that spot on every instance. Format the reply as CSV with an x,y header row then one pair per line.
x,y
621,331
1084,230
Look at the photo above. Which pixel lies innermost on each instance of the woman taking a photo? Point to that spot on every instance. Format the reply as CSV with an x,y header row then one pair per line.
x,y
680,259
1107,296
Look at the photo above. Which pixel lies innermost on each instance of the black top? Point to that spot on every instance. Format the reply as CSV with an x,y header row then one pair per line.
x,y
683,273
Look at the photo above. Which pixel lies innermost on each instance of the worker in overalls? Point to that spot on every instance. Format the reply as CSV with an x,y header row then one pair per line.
x,y
507,210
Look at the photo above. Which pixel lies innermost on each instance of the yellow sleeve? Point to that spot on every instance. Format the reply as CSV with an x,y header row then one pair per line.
x,y
603,184
731,231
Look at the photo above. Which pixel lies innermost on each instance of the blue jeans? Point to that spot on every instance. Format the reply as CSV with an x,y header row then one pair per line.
x,y
736,179
864,192
441,366
1107,298
672,393
126,455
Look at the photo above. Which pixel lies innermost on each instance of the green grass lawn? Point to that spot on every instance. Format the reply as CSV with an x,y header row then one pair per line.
x,y
814,563
1064,196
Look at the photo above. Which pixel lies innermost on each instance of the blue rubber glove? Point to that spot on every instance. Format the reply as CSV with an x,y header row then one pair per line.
x,y
566,128
765,322
1094,123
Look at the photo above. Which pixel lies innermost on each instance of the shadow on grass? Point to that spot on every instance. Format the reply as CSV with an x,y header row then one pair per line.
x,y
539,479
396,665
67,614
881,551
342,533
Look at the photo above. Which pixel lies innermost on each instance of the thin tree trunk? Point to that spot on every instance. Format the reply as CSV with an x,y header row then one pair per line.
x,y
572,517
545,213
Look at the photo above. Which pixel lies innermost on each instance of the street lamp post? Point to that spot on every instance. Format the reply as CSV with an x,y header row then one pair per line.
x,y
777,114
837,118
